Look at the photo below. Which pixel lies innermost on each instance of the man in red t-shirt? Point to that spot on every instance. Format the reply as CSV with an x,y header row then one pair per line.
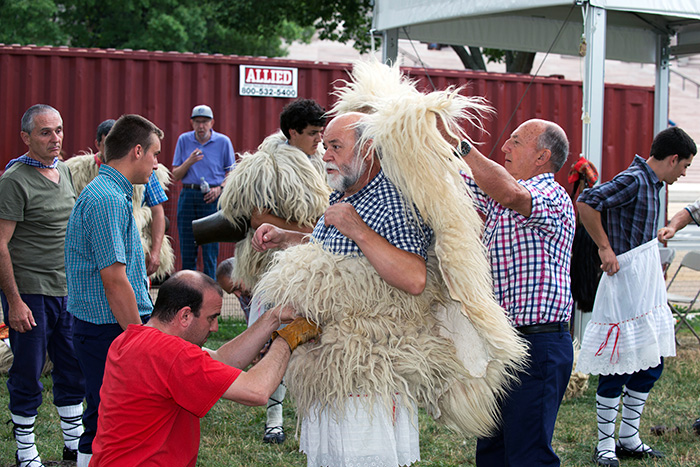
x,y
159,382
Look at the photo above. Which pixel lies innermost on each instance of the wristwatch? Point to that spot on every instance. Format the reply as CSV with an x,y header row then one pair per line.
x,y
464,147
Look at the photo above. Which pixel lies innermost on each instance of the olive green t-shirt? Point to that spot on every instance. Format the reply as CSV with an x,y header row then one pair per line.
x,y
41,209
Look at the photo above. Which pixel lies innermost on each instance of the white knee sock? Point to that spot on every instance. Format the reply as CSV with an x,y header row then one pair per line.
x,y
71,424
83,459
274,407
23,430
632,408
606,411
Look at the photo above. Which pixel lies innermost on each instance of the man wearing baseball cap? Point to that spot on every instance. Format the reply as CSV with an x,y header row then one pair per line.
x,y
202,159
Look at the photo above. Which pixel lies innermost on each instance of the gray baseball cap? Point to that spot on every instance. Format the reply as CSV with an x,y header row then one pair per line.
x,y
202,111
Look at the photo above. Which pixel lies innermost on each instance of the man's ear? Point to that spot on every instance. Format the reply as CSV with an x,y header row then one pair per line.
x,y
25,137
674,159
184,316
543,158
138,151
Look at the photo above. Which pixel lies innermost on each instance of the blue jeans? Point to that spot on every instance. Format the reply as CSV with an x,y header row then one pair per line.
x,y
190,207
529,410
53,334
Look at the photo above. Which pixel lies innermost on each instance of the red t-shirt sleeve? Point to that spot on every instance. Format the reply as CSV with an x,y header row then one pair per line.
x,y
196,381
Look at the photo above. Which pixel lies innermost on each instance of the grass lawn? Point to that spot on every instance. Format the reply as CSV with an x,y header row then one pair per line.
x,y
232,433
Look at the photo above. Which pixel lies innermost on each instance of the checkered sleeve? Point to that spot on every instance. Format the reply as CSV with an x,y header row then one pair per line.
x,y
481,200
694,211
154,193
618,192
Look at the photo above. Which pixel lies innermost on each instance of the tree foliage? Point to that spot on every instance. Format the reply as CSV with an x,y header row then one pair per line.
x,y
241,27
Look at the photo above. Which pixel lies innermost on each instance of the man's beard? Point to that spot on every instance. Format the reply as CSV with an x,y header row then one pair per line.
x,y
347,175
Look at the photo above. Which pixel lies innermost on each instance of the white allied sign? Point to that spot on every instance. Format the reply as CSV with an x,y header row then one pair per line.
x,y
268,81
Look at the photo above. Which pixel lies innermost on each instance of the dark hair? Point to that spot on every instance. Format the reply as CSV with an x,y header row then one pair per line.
x,y
672,141
32,112
554,139
300,114
184,288
126,133
103,128
225,268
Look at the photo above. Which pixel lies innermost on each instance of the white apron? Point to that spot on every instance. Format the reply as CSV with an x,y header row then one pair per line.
x,y
632,325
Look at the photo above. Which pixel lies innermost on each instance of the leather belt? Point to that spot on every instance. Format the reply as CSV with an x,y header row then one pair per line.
x,y
194,186
544,328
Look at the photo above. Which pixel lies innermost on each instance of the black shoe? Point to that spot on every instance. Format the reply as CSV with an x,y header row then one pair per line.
x,y
598,459
623,452
274,435
696,426
70,454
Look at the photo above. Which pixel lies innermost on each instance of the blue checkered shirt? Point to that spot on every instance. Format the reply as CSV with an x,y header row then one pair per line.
x,y
382,207
154,193
629,206
102,231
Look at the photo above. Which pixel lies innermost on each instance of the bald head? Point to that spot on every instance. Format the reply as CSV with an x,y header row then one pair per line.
x,y
552,137
184,288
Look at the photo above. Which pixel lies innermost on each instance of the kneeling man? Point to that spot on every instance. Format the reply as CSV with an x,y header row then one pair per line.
x,y
159,382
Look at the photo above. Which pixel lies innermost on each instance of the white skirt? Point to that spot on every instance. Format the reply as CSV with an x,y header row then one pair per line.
x,y
361,438
632,325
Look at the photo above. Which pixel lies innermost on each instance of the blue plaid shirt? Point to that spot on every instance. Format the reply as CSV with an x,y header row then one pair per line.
x,y
382,207
629,205
154,194
102,231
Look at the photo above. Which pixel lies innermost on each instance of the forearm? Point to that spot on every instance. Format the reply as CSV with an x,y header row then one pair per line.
x,y
498,184
399,268
243,349
592,222
180,171
7,276
680,220
157,228
120,295
255,386
260,217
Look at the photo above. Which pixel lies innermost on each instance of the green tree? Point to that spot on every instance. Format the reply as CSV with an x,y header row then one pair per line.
x,y
30,22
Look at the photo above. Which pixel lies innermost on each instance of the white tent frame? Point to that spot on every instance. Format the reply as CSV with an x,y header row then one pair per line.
x,y
628,30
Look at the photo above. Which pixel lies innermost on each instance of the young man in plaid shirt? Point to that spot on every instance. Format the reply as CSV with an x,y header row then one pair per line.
x,y
630,333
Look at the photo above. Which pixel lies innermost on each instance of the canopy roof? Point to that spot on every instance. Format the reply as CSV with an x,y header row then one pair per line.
x,y
531,25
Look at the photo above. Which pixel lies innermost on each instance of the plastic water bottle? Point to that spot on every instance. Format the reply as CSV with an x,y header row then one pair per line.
x,y
204,186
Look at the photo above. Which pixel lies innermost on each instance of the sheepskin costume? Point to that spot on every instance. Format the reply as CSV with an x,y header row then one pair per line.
x,y
451,349
84,168
278,177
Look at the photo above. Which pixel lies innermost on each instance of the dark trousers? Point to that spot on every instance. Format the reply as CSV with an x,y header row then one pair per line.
x,y
53,334
529,410
640,381
190,207
92,343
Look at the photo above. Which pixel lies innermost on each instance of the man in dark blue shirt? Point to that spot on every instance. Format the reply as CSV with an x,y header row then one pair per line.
x,y
621,216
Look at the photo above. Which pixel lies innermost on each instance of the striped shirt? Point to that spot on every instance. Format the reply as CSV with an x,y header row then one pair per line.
x,y
382,207
629,205
531,256
102,231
